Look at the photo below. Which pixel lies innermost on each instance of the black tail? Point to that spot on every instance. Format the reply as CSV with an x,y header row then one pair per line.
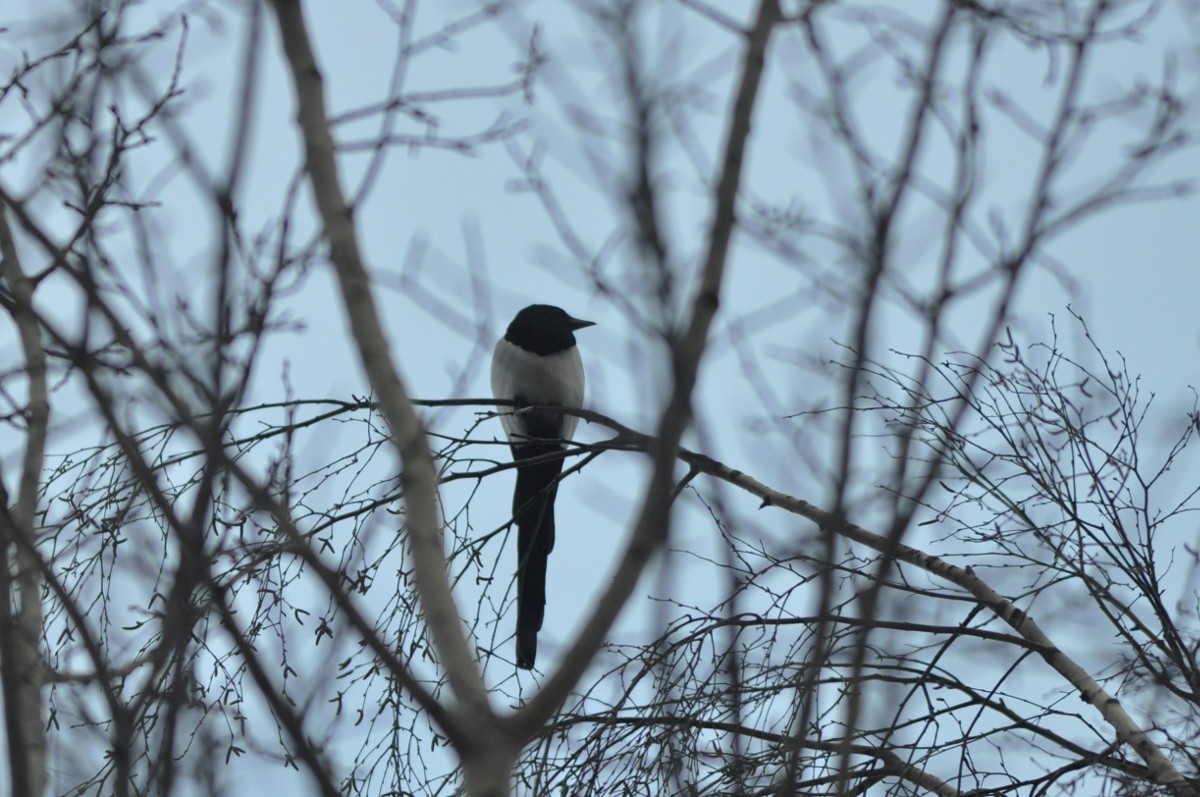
x,y
533,510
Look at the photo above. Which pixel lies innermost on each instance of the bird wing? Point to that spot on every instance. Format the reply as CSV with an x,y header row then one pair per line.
x,y
556,379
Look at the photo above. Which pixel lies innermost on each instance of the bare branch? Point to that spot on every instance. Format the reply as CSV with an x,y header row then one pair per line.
x,y
420,476
651,529
20,570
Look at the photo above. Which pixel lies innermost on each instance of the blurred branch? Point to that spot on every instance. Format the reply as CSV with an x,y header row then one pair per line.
x,y
651,529
20,569
420,476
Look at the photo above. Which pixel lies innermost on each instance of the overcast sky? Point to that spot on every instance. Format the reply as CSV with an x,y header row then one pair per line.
x,y
1132,271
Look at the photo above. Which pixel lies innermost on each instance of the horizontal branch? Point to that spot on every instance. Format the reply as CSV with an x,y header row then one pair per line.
x,y
1160,768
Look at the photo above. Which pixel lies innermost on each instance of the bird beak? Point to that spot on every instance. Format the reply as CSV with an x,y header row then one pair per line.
x,y
578,323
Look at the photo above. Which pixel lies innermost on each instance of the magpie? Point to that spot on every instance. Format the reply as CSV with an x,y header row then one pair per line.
x,y
536,364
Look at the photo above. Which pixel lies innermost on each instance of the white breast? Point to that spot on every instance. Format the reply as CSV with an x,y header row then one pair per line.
x,y
552,379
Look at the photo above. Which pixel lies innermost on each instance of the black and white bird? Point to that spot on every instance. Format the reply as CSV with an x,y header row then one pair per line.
x,y
535,365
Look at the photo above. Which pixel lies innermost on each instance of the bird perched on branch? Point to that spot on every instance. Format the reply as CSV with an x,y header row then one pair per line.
x,y
536,365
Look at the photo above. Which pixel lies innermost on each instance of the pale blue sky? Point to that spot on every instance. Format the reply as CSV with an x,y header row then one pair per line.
x,y
1133,270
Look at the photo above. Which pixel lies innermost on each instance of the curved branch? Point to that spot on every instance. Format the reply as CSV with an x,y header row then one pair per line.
x,y
408,433
650,530
1160,768
21,671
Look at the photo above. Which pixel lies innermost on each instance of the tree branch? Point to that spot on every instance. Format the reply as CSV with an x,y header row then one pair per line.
x,y
22,623
408,433
651,529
